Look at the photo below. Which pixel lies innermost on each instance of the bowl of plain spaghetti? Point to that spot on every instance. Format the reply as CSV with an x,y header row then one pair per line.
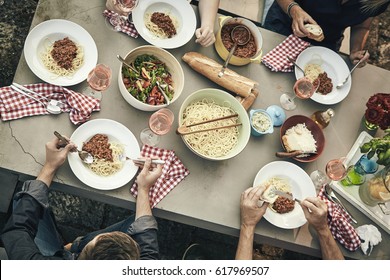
x,y
219,144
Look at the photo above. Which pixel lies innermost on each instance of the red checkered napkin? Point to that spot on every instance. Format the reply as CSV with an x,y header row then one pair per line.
x,y
340,225
173,173
277,60
128,27
14,105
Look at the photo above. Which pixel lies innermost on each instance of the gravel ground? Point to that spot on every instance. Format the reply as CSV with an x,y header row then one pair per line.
x,y
78,216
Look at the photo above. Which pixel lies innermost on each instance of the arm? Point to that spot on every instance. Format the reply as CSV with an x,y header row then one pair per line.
x,y
317,217
299,17
208,10
251,214
29,206
145,180
359,35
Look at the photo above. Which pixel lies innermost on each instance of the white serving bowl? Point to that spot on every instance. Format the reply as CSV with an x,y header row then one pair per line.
x,y
222,98
174,68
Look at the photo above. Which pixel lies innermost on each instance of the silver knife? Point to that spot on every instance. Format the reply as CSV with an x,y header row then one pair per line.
x,y
286,195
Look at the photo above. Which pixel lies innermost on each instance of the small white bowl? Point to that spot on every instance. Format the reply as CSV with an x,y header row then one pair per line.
x,y
174,68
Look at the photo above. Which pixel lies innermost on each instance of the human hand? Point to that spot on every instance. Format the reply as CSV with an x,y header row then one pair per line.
x,y
148,175
251,212
299,19
56,154
205,36
316,212
355,56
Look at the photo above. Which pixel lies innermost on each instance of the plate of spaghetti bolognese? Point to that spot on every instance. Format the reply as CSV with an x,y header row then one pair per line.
x,y
106,140
164,23
60,52
330,68
288,177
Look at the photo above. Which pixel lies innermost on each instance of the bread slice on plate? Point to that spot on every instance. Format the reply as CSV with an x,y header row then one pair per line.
x,y
316,32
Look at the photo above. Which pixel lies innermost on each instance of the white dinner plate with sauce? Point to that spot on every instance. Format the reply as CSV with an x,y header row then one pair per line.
x,y
333,64
301,187
116,133
45,34
181,10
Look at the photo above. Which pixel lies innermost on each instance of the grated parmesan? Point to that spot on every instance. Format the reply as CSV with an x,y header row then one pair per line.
x,y
261,122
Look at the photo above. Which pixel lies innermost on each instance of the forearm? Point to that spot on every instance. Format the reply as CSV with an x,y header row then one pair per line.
x,y
142,205
284,5
46,175
329,248
245,243
208,10
359,35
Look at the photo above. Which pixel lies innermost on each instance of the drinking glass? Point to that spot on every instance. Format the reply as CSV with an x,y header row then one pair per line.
x,y
335,170
303,89
160,122
123,9
98,80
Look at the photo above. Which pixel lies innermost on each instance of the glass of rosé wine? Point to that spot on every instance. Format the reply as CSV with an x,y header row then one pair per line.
x,y
98,80
303,89
123,10
160,123
335,170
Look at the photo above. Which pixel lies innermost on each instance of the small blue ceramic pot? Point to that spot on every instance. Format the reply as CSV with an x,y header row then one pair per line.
x,y
261,122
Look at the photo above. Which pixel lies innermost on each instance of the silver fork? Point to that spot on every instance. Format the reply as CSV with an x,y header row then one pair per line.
x,y
36,93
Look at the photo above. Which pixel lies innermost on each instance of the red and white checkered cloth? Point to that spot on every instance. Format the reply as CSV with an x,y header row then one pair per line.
x,y
277,60
173,173
14,105
339,223
128,28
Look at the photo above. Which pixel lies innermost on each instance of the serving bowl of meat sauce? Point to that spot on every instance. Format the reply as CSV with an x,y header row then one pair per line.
x,y
245,54
149,71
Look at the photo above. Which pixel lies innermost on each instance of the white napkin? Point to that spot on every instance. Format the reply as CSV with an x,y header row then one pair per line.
x,y
370,236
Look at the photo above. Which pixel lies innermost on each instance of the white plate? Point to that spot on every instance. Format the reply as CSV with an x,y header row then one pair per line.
x,y
116,132
180,9
333,65
50,31
301,187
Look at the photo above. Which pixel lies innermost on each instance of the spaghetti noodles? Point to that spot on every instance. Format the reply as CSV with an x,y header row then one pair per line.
x,y
106,168
214,143
162,25
63,57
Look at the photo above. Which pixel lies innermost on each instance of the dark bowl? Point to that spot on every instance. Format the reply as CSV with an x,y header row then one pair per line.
x,y
315,130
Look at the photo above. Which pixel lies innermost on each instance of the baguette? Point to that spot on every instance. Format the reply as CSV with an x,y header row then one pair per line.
x,y
249,100
316,32
209,68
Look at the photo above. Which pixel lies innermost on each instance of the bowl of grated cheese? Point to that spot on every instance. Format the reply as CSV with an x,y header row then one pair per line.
x,y
302,133
261,122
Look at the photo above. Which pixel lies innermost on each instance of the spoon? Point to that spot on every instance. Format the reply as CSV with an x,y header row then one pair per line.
x,y
121,59
50,107
294,154
296,65
340,85
163,93
84,156
240,36
332,197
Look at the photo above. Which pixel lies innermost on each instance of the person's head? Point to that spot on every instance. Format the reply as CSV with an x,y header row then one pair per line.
x,y
111,246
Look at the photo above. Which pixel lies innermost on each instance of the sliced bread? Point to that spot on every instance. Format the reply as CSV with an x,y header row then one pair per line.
x,y
316,32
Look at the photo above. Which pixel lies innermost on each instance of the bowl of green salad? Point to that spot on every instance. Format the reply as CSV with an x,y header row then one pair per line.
x,y
151,78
